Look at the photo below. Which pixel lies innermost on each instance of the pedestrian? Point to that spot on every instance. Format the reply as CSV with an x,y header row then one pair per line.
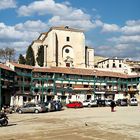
x,y
112,105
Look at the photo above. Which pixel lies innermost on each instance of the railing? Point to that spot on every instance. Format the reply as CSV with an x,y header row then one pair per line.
x,y
24,74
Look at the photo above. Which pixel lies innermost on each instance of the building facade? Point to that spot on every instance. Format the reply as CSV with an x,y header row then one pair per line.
x,y
120,65
33,84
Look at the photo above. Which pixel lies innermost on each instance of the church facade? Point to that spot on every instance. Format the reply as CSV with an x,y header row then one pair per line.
x,y
64,47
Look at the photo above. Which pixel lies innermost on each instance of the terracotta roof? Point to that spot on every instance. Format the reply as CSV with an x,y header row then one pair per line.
x,y
5,67
133,76
79,71
21,65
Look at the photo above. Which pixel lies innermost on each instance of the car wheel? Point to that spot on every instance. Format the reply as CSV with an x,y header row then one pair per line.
x,y
89,105
75,107
36,111
20,111
5,123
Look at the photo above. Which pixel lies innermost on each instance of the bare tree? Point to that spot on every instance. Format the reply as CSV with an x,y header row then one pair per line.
x,y
7,54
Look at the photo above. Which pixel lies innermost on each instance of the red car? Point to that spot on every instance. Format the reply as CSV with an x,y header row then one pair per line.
x,y
75,104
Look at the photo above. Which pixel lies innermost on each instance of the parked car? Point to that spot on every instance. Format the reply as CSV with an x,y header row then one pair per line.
x,y
53,106
100,102
108,102
75,104
133,102
90,103
122,102
32,108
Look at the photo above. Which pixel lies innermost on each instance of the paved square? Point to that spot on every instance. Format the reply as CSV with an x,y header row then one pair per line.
x,y
75,124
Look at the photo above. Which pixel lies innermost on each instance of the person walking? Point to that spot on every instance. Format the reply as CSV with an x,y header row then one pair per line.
x,y
112,105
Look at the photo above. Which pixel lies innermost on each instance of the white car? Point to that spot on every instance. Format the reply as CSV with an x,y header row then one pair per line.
x,y
90,103
133,102
108,102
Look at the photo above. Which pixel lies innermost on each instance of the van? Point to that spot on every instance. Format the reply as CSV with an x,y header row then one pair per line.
x,y
133,102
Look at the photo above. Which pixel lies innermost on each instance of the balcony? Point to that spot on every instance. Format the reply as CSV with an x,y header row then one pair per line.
x,y
24,74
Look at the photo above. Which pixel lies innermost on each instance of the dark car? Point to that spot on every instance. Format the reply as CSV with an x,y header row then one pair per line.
x,y
75,104
101,102
122,102
53,106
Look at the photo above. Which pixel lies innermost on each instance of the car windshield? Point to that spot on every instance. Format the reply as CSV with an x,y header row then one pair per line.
x,y
133,99
86,101
124,100
93,100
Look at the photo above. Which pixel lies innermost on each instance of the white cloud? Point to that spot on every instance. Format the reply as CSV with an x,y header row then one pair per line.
x,y
132,22
126,43
132,27
10,33
110,28
126,39
119,50
20,35
86,24
62,13
43,7
34,26
4,4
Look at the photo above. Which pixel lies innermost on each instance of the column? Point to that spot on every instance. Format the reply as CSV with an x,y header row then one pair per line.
x,y
20,101
12,101
45,98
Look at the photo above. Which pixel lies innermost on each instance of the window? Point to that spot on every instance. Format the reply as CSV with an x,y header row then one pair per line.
x,y
67,50
67,64
107,66
120,65
114,65
68,38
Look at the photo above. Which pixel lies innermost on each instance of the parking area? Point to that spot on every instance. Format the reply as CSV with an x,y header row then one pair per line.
x,y
75,124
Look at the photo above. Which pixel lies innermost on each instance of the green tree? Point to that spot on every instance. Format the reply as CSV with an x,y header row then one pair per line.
x,y
21,59
40,56
30,60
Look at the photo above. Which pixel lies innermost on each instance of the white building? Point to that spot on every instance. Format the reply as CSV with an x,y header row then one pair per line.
x,y
64,47
119,65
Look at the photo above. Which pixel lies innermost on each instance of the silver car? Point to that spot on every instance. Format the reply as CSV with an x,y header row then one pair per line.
x,y
133,102
90,103
32,108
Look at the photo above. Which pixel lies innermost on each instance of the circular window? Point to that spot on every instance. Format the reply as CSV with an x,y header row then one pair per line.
x,y
67,51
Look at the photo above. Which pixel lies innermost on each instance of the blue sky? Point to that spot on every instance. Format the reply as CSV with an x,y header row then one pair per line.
x,y
112,27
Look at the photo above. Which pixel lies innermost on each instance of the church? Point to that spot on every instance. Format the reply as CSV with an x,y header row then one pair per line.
x,y
64,47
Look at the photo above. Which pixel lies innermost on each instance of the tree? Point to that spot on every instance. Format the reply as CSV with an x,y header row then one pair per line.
x,y
7,54
40,56
30,60
21,59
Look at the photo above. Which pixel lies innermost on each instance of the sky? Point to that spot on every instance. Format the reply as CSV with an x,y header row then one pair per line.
x,y
111,27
